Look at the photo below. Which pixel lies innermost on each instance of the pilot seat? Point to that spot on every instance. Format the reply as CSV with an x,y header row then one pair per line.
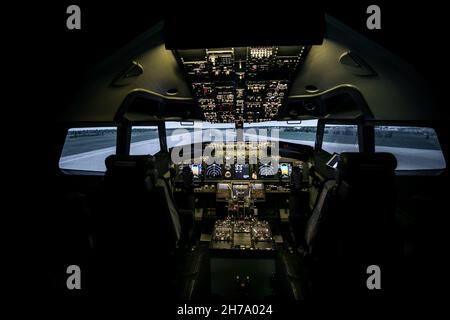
x,y
138,229
352,225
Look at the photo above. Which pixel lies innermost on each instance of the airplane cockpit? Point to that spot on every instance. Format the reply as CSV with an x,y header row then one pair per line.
x,y
261,171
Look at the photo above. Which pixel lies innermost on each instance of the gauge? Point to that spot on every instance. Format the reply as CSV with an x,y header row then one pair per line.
x,y
214,171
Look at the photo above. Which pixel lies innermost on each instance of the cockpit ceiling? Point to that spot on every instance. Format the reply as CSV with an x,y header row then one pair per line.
x,y
248,84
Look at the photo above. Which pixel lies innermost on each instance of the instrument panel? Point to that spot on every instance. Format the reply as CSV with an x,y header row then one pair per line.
x,y
243,171
225,163
248,234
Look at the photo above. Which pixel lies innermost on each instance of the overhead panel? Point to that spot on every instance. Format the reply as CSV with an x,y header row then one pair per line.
x,y
247,84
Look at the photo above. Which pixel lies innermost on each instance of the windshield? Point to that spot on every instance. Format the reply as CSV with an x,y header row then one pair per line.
x,y
179,133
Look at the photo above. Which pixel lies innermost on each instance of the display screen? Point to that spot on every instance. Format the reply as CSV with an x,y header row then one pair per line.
x,y
214,171
286,169
258,186
222,186
196,169
241,171
266,171
333,162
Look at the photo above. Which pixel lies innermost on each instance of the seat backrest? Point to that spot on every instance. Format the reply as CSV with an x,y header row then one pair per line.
x,y
126,204
367,194
138,203
136,226
128,174
127,194
185,198
298,206
355,211
169,226
352,224
358,173
188,179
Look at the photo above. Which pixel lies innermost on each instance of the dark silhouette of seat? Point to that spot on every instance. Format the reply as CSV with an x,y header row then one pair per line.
x,y
298,206
352,225
367,193
136,229
185,198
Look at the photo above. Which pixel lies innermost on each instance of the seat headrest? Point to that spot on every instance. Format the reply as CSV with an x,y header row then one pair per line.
x,y
139,162
131,167
353,165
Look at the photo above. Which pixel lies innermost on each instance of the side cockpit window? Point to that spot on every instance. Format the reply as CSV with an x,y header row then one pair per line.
x,y
86,149
416,148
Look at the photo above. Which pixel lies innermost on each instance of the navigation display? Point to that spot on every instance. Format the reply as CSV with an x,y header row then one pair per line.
x,y
241,171
214,171
266,171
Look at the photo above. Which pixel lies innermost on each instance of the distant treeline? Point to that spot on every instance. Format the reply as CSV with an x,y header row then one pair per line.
x,y
91,132
338,130
416,138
